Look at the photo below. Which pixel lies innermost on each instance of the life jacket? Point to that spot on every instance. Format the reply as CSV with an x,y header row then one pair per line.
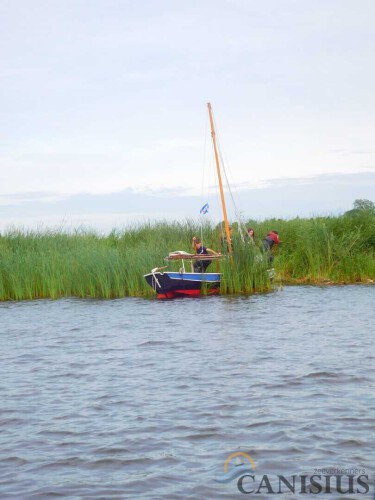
x,y
274,237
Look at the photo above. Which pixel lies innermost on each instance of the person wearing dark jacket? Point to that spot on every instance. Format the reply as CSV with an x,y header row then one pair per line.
x,y
268,243
200,266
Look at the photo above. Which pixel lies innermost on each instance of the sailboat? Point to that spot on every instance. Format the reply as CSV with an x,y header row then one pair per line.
x,y
183,283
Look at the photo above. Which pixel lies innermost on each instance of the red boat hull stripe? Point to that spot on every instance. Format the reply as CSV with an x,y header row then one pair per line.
x,y
184,293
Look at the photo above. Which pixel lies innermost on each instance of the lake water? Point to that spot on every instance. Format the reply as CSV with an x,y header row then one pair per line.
x,y
138,398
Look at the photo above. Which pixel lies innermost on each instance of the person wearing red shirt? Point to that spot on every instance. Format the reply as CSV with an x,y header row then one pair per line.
x,y
269,242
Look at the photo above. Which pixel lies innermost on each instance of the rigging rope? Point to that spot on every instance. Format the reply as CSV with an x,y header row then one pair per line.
x,y
241,225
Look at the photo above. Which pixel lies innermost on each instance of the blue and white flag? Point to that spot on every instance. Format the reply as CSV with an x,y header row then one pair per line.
x,y
204,209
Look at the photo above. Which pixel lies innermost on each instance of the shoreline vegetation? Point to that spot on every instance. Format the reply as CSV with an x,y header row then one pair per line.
x,y
57,263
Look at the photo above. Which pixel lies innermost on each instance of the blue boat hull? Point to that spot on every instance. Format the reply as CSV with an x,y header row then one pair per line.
x,y
173,284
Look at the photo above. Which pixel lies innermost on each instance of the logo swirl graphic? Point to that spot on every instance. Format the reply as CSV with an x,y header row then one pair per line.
x,y
238,470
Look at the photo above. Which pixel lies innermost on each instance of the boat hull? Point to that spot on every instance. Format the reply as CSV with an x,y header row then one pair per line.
x,y
169,285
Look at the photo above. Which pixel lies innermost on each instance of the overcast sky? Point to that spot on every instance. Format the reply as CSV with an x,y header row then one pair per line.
x,y
108,99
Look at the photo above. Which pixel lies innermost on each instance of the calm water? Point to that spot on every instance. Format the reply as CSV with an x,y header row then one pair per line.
x,y
146,399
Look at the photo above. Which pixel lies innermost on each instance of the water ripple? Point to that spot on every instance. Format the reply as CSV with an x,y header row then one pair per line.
x,y
98,401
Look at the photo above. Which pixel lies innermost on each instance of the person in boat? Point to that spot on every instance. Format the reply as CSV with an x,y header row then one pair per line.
x,y
200,266
269,243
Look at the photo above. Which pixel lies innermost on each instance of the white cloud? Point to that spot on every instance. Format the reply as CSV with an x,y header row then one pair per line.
x,y
100,99
326,194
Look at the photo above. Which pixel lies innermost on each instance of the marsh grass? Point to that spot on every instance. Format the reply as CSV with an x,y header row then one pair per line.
x,y
324,249
53,264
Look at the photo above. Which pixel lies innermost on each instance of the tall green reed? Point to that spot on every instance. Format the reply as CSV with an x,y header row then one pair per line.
x,y
53,264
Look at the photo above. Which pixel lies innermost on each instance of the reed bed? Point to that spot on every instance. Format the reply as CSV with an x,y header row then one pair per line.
x,y
53,264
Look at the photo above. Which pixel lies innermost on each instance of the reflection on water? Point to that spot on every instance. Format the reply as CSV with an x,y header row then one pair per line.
x,y
146,398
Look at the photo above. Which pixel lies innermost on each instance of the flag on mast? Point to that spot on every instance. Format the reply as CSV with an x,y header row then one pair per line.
x,y
204,209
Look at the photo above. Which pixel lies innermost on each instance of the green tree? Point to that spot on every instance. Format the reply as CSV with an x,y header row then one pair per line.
x,y
362,206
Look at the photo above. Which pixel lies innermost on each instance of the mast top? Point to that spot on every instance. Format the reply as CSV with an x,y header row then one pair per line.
x,y
227,230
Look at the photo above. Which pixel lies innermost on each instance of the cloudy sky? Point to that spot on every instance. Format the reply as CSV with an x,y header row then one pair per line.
x,y
104,119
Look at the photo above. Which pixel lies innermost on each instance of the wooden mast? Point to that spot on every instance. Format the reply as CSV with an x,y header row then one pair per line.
x,y
227,231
